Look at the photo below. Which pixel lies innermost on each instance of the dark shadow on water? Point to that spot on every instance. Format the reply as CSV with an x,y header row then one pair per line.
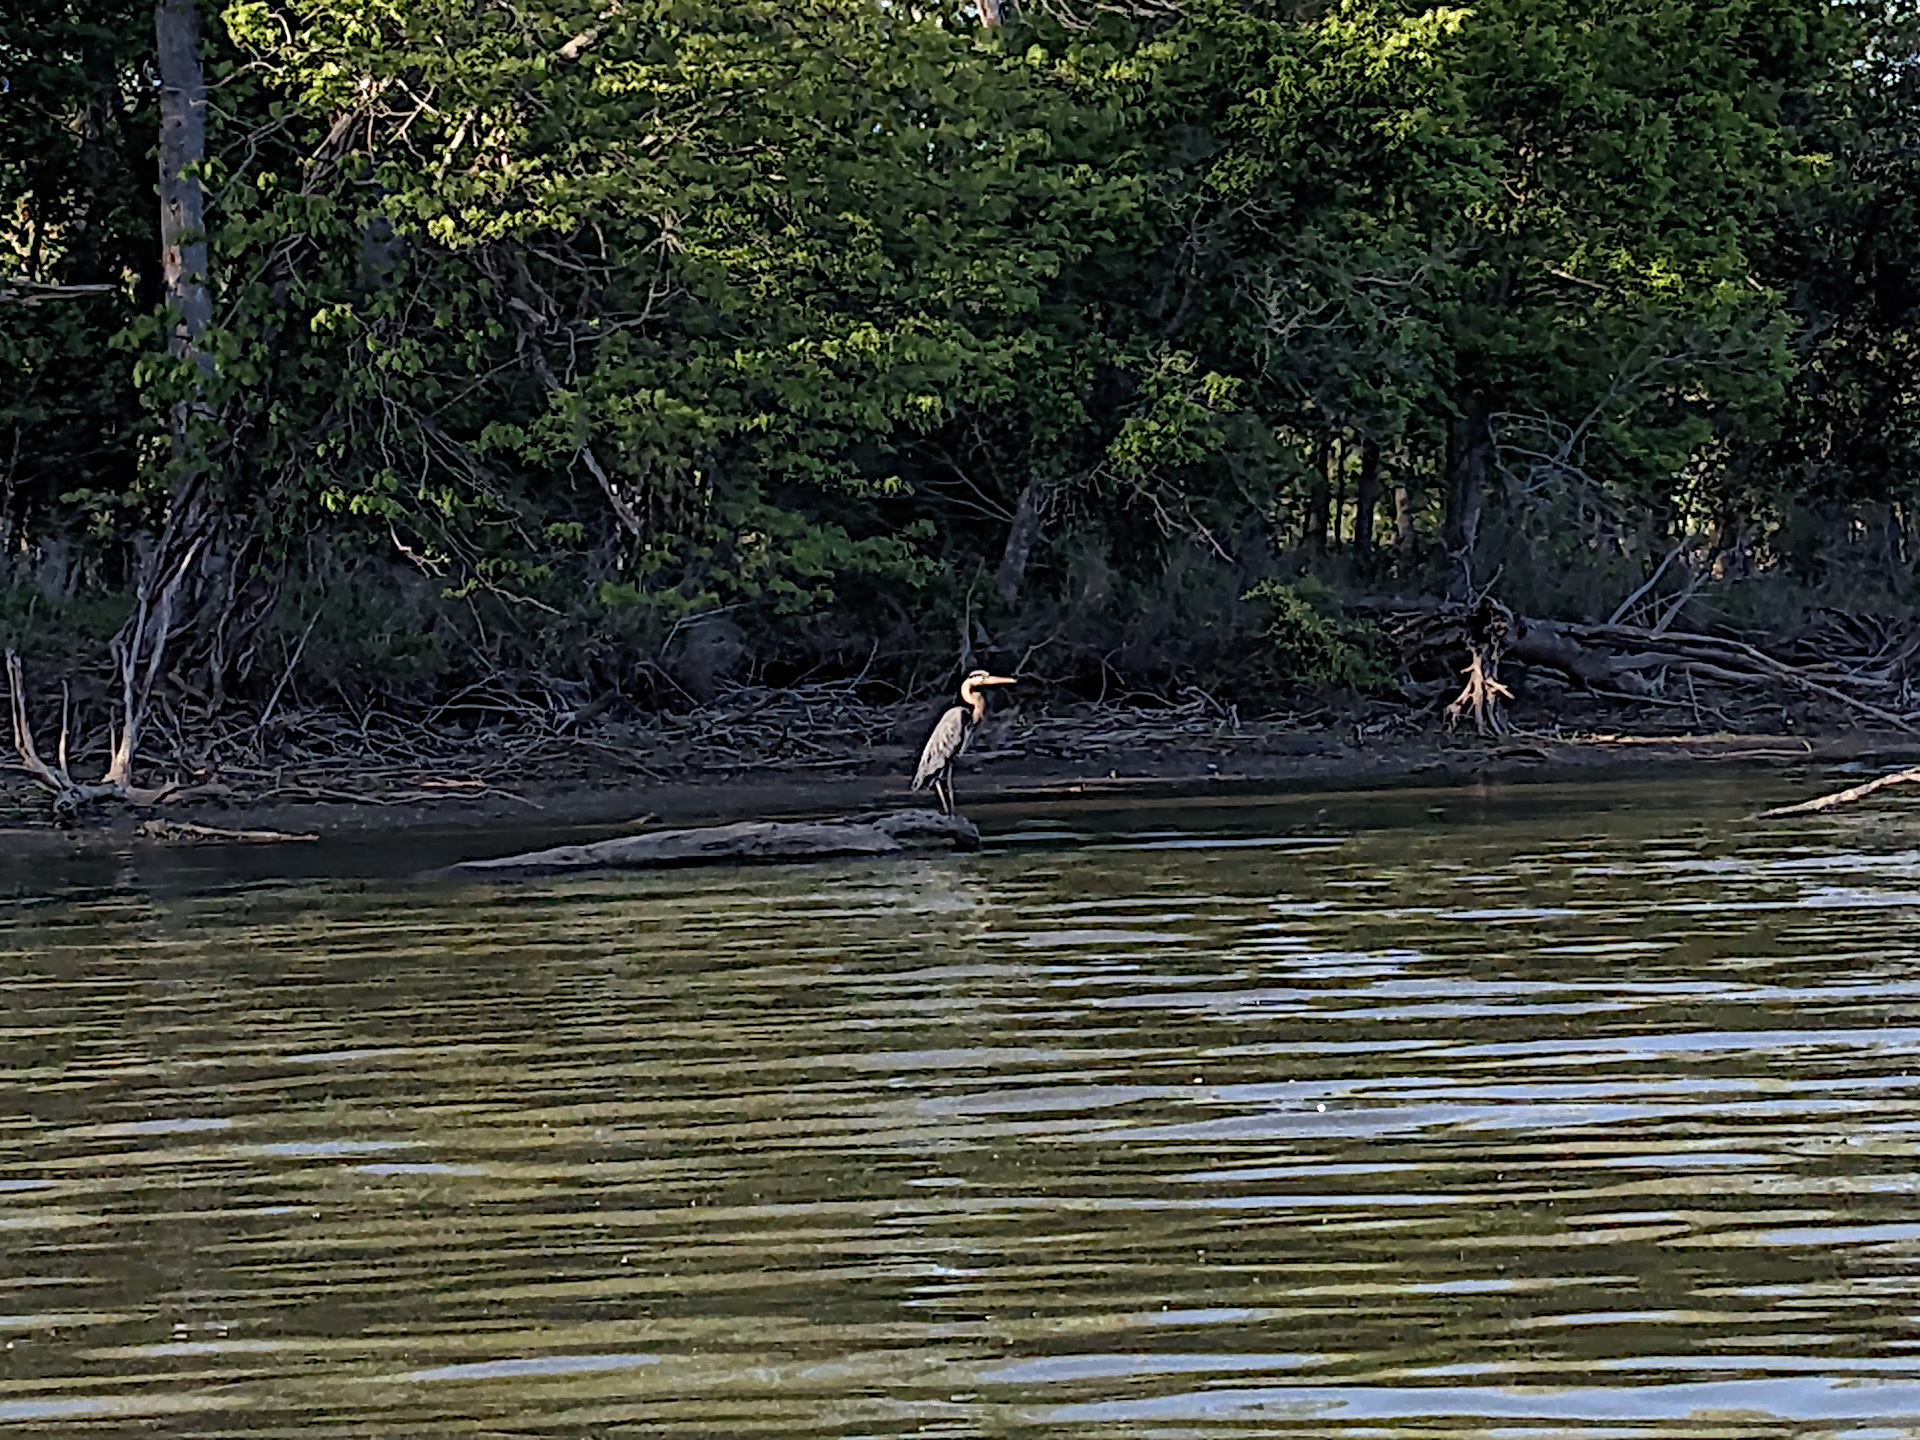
x,y
1243,810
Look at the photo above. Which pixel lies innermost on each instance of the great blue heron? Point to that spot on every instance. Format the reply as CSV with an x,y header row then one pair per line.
x,y
951,735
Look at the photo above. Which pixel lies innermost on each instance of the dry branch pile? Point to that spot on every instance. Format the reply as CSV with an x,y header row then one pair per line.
x,y
1849,669
499,744
832,727
502,740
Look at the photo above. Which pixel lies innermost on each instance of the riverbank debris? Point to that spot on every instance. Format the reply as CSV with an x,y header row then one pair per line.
x,y
898,832
1848,665
1838,798
1489,626
186,831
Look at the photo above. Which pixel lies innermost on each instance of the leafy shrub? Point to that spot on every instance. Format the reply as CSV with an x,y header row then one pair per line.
x,y
1314,644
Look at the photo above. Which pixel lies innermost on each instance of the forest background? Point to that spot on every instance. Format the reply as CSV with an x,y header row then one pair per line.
x,y
614,353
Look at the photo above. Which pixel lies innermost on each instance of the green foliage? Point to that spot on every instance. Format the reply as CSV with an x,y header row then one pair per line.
x,y
595,318
1313,644
76,209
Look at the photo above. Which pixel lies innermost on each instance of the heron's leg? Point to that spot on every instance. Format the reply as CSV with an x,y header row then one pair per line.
x,y
943,787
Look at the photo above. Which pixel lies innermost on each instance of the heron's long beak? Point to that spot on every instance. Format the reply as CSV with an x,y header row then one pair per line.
x,y
996,680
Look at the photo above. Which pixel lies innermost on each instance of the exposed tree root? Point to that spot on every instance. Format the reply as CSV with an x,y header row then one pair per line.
x,y
68,794
1489,626
140,651
1866,672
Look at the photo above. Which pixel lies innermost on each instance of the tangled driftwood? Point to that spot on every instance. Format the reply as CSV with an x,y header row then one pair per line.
x,y
1489,629
139,653
1865,672
750,840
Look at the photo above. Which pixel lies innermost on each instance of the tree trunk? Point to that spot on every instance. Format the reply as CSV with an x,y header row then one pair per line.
x,y
1366,500
1404,542
167,571
380,248
1020,537
1319,497
1469,442
1730,558
183,209
90,266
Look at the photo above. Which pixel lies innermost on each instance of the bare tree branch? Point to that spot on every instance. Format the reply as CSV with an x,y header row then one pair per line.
x,y
18,290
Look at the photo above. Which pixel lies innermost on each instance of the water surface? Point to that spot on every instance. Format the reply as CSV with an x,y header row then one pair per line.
x,y
1571,1112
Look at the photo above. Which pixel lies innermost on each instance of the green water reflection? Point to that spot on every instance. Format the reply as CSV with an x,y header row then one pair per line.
x,y
1567,1112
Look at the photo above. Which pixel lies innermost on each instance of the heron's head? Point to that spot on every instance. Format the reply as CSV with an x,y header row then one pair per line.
x,y
970,687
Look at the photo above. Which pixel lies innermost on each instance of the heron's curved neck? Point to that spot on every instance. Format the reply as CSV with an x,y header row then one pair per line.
x,y
971,697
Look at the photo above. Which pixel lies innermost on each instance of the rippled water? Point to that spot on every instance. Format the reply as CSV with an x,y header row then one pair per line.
x,y
1551,1112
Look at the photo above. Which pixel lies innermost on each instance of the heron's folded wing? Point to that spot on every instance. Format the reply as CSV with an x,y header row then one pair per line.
x,y
946,741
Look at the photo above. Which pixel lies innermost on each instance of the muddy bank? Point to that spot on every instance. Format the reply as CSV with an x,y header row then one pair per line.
x,y
1541,700
587,788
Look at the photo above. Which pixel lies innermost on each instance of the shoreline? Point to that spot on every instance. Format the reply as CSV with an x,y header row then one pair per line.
x,y
607,797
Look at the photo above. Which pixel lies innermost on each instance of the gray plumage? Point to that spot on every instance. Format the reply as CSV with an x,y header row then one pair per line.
x,y
950,737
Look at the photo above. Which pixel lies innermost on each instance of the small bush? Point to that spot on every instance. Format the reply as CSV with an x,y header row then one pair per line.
x,y
1314,644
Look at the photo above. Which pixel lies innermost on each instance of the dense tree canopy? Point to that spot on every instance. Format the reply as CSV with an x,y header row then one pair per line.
x,y
550,338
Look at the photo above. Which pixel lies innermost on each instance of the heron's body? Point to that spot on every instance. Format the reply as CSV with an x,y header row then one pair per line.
x,y
950,737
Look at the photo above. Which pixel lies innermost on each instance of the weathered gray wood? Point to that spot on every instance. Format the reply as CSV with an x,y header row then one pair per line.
x,y
183,145
1842,797
1020,537
895,833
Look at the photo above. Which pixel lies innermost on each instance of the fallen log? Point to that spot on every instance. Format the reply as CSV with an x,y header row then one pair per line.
x,y
1876,684
1841,797
1689,646
895,833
